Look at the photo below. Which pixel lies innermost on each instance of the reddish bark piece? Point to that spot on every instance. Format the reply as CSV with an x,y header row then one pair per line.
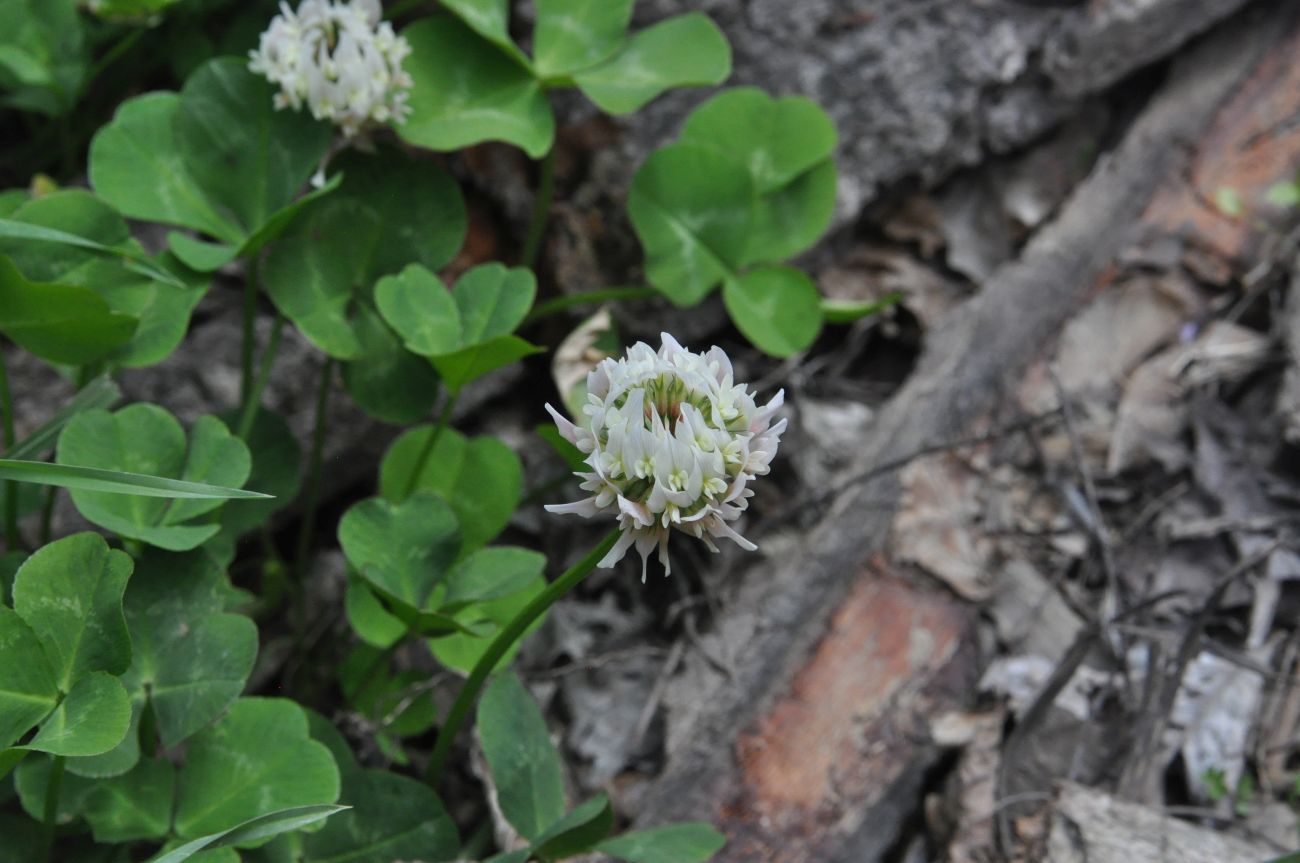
x,y
1252,144
852,724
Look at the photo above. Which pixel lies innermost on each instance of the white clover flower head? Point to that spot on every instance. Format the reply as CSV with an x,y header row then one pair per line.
x,y
339,59
672,442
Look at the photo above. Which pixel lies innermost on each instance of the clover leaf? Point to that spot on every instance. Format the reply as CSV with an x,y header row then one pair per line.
x,y
144,438
162,309
466,332
750,183
472,83
221,161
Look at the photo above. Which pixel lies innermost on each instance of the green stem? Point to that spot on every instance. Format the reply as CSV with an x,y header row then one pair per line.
x,y
604,295
51,813
413,481
250,321
263,375
308,526
541,209
119,48
12,538
502,643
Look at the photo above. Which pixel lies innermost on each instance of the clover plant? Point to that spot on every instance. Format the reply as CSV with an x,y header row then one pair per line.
x,y
140,713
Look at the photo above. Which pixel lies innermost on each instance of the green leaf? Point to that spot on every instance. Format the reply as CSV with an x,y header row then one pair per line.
x,y
91,719
60,323
1283,195
490,19
459,368
139,142
199,254
577,34
685,51
70,594
311,275
493,299
43,55
133,806
466,91
692,209
191,658
258,758
257,829
117,482
108,261
848,311
692,842
394,818
465,333
144,438
778,140
419,307
389,382
403,549
777,308
249,158
481,478
461,651
490,573
389,212
25,233
28,689
792,219
525,766
368,617
577,832
276,471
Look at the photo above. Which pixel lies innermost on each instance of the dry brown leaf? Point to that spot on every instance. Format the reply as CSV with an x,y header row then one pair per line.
x,y
937,526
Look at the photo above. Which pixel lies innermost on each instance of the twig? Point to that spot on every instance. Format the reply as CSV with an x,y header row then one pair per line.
x,y
1098,528
657,693
826,495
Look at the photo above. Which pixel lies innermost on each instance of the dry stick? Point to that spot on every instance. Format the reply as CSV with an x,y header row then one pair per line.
x,y
1056,683
657,693
1153,725
884,467
1100,532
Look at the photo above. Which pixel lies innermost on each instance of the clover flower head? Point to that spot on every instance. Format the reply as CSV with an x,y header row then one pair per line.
x,y
672,442
339,59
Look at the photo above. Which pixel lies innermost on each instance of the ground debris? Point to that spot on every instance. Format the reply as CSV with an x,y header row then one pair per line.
x,y
1091,825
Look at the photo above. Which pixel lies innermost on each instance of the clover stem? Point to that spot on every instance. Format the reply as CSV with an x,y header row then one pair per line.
x,y
10,489
500,645
254,399
51,812
308,526
541,210
603,295
250,320
421,461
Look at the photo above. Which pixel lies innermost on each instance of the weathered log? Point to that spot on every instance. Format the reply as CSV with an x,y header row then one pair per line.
x,y
798,756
